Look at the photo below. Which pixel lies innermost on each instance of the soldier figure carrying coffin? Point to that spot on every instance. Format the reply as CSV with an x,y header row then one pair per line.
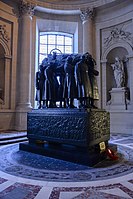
x,y
40,86
92,76
52,81
83,83
70,89
86,81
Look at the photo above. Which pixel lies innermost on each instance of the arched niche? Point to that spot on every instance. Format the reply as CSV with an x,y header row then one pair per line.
x,y
2,73
118,49
122,54
5,76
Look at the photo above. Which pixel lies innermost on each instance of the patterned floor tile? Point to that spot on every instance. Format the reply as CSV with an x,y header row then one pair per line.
x,y
14,189
2,180
33,166
21,191
116,191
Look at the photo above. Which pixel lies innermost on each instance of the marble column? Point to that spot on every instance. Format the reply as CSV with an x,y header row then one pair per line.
x,y
24,90
26,10
87,21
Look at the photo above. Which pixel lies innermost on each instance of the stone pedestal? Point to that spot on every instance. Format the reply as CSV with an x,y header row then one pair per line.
x,y
118,98
70,134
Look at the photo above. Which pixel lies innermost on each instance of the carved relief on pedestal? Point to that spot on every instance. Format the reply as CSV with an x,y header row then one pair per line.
x,y
26,7
86,13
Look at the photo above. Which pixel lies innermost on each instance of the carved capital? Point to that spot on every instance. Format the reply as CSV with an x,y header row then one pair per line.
x,y
3,33
86,13
26,8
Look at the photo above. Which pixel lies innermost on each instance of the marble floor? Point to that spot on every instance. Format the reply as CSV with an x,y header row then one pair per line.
x,y
115,187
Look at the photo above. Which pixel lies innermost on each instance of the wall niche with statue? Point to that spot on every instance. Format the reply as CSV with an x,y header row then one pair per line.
x,y
118,79
116,62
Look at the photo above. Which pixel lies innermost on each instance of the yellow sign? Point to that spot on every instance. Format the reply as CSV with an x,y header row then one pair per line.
x,y
102,146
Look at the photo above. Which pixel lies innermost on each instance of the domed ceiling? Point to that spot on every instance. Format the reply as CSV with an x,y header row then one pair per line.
x,y
69,6
72,4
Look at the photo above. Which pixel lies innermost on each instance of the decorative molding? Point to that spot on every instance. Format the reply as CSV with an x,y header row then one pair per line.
x,y
26,7
3,33
86,13
117,34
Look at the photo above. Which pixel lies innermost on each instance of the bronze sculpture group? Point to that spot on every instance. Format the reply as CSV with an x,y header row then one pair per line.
x,y
65,79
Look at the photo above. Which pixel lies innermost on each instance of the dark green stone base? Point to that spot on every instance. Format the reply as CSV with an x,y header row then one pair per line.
x,y
67,153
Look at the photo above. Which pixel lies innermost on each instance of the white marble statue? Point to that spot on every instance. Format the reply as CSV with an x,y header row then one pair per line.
x,y
119,73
